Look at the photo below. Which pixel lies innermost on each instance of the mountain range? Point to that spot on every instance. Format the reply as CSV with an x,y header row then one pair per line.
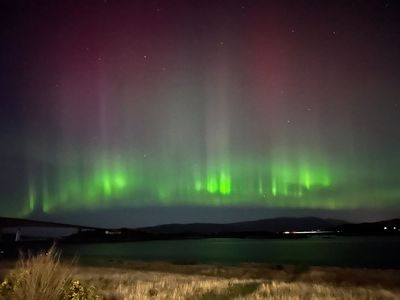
x,y
265,225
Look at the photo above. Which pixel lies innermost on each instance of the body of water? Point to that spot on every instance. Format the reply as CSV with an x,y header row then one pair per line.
x,y
372,252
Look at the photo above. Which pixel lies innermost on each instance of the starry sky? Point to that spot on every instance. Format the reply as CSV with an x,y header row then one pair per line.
x,y
145,112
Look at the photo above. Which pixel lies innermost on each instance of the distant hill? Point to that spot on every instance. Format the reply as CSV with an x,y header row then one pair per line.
x,y
264,225
248,228
266,228
380,227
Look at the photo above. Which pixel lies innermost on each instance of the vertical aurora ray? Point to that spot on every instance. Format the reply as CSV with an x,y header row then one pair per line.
x,y
31,197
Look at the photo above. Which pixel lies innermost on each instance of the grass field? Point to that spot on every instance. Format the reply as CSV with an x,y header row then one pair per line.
x,y
158,280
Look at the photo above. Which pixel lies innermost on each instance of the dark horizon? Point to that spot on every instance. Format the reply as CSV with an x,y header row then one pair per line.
x,y
139,217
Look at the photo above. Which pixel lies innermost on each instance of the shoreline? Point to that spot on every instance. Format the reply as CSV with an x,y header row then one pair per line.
x,y
165,280
389,278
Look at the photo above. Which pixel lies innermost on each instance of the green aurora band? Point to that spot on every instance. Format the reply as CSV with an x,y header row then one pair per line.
x,y
279,183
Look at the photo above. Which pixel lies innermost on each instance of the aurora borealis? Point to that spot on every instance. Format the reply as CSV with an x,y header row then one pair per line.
x,y
201,104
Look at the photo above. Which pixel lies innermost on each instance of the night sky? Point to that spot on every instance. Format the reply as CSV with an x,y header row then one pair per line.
x,y
129,113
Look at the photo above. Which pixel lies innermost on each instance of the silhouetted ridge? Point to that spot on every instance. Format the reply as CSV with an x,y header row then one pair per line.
x,y
264,225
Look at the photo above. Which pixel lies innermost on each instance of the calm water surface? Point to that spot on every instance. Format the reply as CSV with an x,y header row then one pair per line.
x,y
380,252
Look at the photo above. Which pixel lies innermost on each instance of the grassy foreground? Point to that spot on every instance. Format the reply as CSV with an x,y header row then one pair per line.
x,y
45,277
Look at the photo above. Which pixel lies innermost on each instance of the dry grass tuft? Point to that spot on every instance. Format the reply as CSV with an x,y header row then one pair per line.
x,y
39,277
43,277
